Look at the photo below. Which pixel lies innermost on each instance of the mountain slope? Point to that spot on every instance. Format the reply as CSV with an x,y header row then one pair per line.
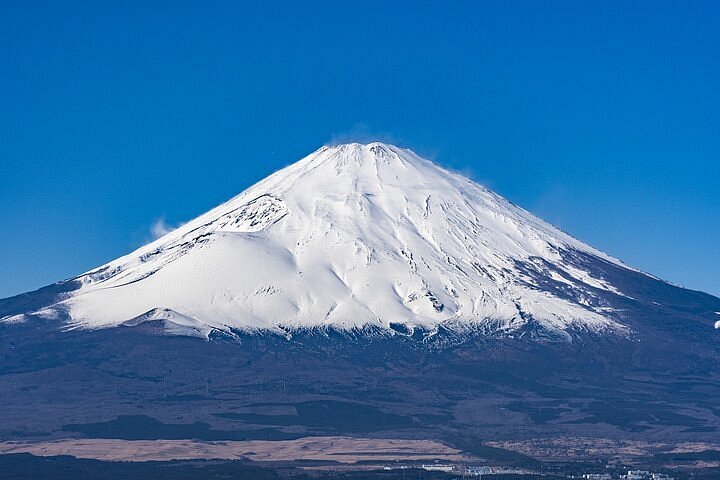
x,y
350,237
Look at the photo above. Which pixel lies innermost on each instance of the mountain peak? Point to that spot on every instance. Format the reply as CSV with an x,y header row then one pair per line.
x,y
359,154
375,147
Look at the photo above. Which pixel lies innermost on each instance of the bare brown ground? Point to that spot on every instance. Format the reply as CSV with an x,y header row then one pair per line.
x,y
338,449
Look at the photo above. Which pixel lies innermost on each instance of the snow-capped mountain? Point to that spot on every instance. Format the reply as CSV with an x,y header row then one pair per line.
x,y
363,291
352,236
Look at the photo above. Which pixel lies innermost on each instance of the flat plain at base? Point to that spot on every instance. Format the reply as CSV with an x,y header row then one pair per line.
x,y
335,449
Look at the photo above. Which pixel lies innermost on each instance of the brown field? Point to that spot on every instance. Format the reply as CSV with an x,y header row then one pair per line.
x,y
337,449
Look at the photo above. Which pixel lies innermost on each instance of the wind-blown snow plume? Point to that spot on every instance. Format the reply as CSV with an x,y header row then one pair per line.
x,y
160,228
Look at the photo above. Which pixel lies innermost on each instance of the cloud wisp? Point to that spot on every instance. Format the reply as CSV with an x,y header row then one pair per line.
x,y
160,228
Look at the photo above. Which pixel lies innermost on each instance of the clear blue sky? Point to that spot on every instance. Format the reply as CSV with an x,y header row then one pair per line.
x,y
601,117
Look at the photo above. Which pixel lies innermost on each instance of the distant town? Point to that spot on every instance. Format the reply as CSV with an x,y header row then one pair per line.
x,y
478,471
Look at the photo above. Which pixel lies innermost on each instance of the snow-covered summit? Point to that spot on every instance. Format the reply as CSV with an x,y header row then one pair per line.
x,y
352,236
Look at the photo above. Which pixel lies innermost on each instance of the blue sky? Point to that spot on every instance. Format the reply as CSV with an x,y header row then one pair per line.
x,y
601,117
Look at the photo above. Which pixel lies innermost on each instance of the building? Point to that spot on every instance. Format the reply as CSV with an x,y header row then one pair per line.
x,y
478,471
645,475
438,467
637,475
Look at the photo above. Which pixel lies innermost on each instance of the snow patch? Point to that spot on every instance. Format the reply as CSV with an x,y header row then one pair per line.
x,y
173,323
19,318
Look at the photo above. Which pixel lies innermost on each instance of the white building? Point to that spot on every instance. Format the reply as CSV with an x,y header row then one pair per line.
x,y
437,467
645,475
637,475
478,471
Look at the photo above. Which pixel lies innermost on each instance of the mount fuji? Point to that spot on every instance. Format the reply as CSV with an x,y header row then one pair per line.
x,y
354,237
364,291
